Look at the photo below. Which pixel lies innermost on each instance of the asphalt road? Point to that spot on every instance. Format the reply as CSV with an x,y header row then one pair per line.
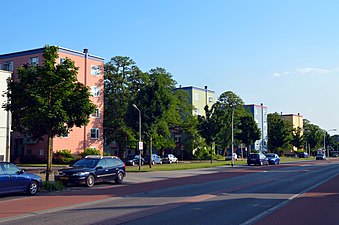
x,y
296,193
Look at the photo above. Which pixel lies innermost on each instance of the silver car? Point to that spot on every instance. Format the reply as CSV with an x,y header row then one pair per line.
x,y
170,158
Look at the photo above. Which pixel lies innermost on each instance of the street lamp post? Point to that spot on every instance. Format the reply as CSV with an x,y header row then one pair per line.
x,y
328,153
232,145
140,143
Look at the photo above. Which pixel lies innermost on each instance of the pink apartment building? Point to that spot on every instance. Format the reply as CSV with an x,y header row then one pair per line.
x,y
91,74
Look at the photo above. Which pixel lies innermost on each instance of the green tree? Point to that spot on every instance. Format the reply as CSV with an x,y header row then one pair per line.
x,y
229,103
297,138
48,100
210,125
313,134
157,103
121,78
279,133
248,130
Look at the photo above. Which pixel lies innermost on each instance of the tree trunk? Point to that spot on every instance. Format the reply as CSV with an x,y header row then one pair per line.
x,y
49,156
211,153
150,153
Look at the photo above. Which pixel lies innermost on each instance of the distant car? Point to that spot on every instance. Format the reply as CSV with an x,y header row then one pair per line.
x,y
170,158
273,158
257,159
334,154
303,155
155,159
93,169
320,157
133,160
229,157
15,180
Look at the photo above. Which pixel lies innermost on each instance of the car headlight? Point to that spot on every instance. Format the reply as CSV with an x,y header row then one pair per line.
x,y
80,174
58,173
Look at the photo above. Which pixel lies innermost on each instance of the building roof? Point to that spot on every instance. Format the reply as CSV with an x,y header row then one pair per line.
x,y
40,50
195,88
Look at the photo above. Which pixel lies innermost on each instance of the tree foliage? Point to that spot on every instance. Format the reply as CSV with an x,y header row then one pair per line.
x,y
279,133
248,130
298,140
48,99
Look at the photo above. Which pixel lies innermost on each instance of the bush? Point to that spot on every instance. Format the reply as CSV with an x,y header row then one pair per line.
x,y
52,186
202,154
90,151
63,157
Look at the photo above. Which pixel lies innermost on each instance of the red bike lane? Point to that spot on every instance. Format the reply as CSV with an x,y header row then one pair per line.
x,y
318,206
26,206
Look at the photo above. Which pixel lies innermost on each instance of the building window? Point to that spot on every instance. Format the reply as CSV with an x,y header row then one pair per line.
x,y
95,70
42,152
8,65
95,132
196,96
96,114
34,61
64,135
95,91
210,99
62,60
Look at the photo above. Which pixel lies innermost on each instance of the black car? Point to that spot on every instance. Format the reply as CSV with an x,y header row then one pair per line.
x,y
133,160
93,169
303,155
257,159
13,180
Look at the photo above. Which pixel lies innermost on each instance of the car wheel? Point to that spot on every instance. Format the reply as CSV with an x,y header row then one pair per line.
x,y
170,162
261,163
153,162
119,178
32,188
90,181
133,163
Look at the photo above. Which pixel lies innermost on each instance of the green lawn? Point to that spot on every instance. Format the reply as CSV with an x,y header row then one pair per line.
x,y
198,164
183,165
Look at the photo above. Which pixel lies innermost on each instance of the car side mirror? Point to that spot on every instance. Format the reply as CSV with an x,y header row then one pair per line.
x,y
20,171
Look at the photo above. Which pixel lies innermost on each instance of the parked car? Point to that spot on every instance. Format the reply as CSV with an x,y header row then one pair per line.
x,y
303,155
133,160
15,180
229,157
257,159
155,159
320,157
170,158
273,158
334,154
93,169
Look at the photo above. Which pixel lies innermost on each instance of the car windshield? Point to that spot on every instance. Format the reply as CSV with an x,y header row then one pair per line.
x,y
89,163
254,156
130,156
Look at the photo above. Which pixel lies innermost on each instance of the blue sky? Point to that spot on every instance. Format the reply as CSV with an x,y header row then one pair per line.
x,y
284,53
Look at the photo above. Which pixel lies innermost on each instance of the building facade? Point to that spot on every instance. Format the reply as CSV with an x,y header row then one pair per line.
x,y
90,73
5,125
259,113
296,120
199,98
